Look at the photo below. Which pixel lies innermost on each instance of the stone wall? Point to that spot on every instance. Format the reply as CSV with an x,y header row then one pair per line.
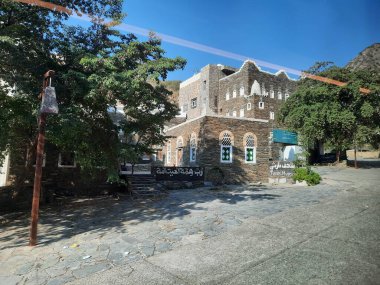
x,y
238,171
208,129
190,89
245,77
184,130
53,175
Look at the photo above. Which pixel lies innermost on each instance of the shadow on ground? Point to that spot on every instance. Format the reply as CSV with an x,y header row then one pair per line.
x,y
75,216
366,164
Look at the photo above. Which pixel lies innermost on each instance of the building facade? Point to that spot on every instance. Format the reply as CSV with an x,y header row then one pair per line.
x,y
230,114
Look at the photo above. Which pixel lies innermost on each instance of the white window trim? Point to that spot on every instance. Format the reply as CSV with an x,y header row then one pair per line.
x,y
178,163
271,115
168,153
272,94
221,148
279,95
234,114
254,155
194,103
227,96
241,91
249,106
66,166
234,93
241,114
261,105
193,150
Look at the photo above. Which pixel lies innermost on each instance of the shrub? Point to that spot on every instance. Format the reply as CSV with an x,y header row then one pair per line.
x,y
306,174
216,176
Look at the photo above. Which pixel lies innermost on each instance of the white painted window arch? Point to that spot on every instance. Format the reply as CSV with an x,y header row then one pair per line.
x,y
255,90
226,143
250,143
179,151
241,90
279,94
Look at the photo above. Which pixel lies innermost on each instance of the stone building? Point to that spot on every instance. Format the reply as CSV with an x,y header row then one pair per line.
x,y
230,114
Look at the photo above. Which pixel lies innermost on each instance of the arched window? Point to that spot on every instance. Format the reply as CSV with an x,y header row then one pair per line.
x,y
228,95
250,143
271,92
234,93
226,143
193,147
179,142
286,94
241,92
279,94
255,90
179,152
263,91
241,112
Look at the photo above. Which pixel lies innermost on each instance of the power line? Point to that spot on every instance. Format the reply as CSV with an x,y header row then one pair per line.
x,y
183,42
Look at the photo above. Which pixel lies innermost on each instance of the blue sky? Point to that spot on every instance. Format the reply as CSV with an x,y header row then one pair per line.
x,y
290,33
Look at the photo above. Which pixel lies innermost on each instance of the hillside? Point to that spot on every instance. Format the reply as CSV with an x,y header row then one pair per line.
x,y
369,58
173,85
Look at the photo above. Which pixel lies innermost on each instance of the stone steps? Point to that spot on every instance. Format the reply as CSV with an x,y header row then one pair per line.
x,y
143,185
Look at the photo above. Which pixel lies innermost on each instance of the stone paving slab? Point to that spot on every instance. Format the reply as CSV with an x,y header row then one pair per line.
x,y
260,252
202,263
120,233
318,261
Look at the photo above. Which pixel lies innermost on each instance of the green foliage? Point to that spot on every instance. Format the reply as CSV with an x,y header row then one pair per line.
x,y
306,174
301,159
337,116
96,68
172,85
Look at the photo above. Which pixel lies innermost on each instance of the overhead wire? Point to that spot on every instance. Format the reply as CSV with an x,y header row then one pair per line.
x,y
185,43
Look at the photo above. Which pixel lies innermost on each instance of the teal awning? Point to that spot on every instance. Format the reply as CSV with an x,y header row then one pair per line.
x,y
283,136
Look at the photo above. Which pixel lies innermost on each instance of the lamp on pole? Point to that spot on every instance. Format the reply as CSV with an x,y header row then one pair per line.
x,y
39,161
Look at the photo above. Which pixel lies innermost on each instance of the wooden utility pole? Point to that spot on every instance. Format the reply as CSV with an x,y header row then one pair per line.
x,y
39,162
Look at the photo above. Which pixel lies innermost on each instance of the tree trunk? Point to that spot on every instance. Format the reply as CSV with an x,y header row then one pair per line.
x,y
25,171
338,156
356,162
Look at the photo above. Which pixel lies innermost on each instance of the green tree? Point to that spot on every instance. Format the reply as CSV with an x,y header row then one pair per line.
x,y
337,116
96,68
132,76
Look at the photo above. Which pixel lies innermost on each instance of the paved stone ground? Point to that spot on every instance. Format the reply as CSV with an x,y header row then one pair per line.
x,y
89,236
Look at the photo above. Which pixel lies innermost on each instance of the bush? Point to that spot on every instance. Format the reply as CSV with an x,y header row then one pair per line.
x,y
306,174
216,176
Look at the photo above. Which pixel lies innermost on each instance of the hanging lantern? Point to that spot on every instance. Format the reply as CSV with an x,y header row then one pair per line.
x,y
49,103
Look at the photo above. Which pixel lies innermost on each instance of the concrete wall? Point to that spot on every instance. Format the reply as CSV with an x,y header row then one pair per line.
x,y
362,154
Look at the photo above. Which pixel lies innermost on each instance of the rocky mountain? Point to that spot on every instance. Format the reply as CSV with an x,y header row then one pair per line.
x,y
368,58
